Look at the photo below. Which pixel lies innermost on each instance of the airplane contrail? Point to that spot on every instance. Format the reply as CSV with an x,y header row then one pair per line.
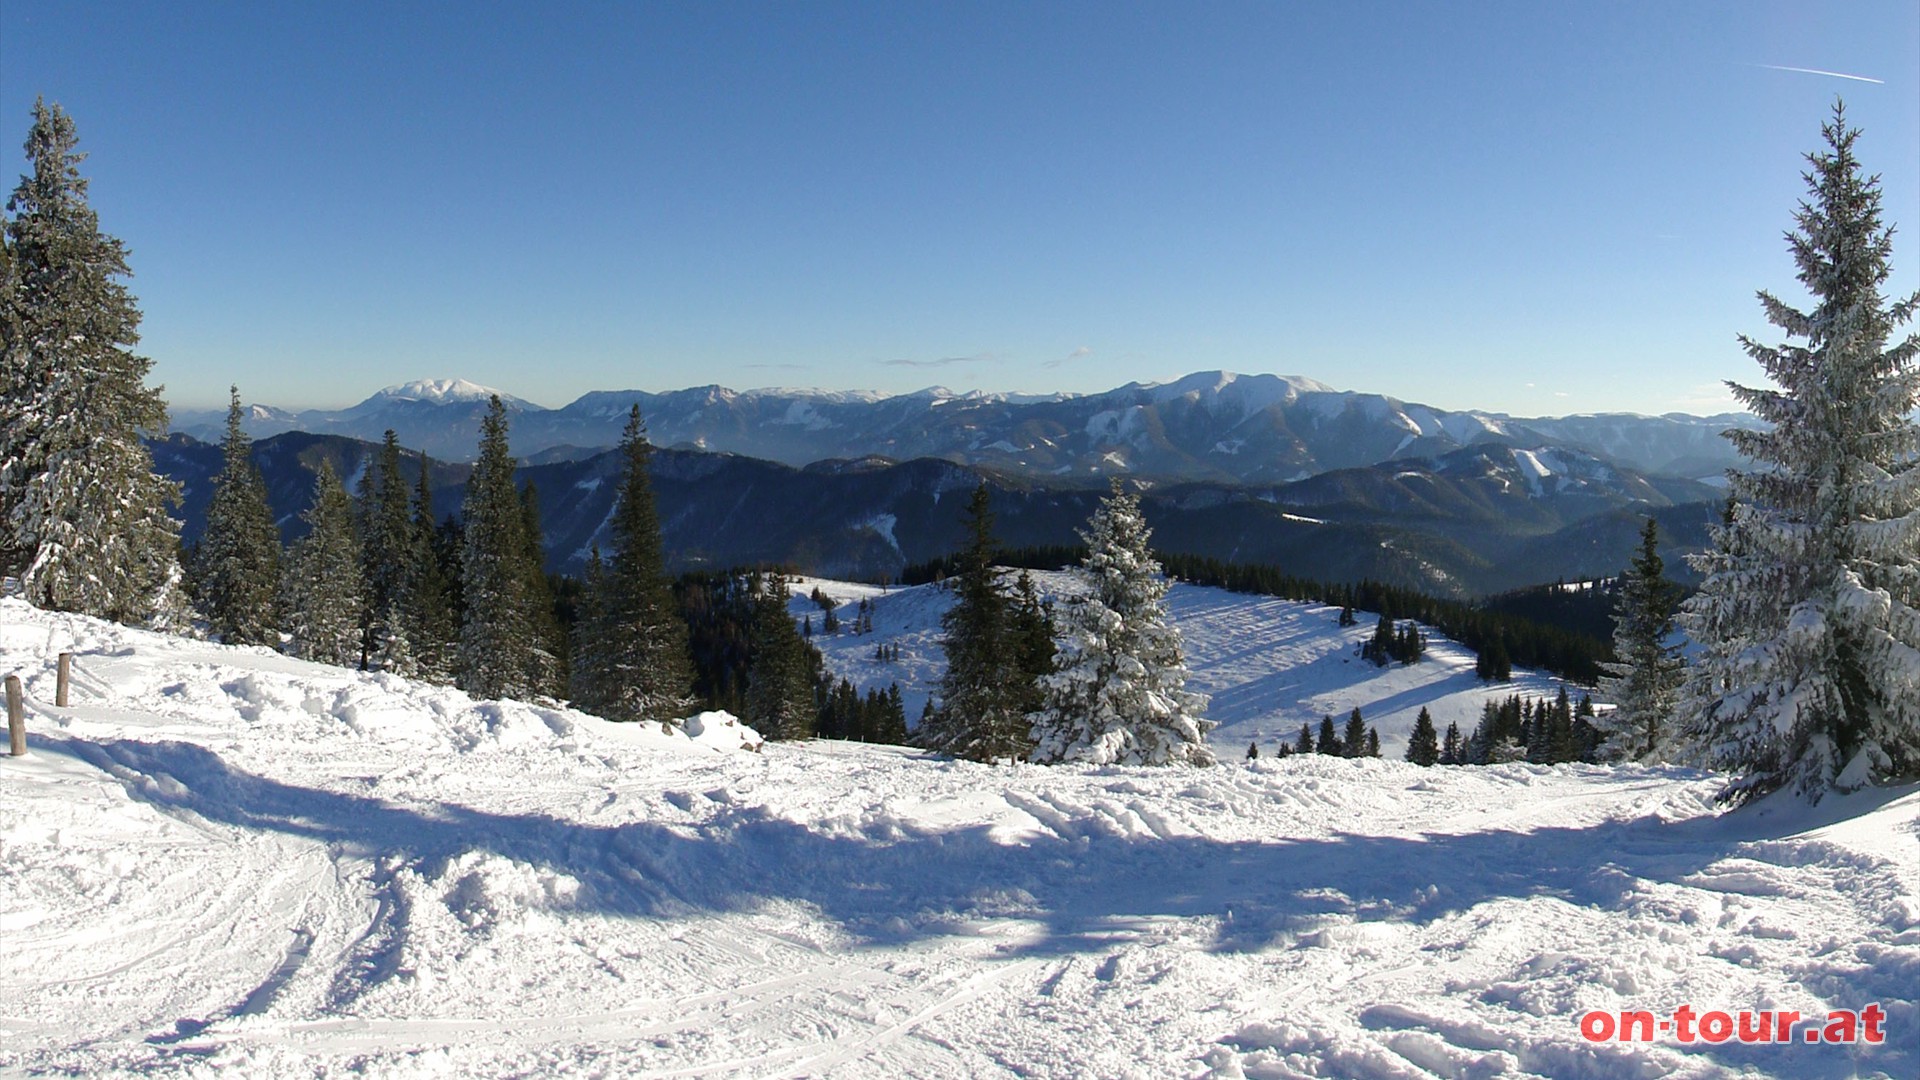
x,y
1817,71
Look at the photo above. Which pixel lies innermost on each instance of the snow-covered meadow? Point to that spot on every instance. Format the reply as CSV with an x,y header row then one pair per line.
x,y
224,862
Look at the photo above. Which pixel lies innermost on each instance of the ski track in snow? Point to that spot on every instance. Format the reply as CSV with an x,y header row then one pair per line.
x,y
227,862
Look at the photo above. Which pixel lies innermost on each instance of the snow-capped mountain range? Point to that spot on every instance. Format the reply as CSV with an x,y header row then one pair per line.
x,y
1214,425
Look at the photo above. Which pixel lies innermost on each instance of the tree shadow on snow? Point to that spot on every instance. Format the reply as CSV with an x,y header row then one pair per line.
x,y
1088,893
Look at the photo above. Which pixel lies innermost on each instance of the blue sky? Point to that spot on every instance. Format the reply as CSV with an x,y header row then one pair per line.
x,y
1539,208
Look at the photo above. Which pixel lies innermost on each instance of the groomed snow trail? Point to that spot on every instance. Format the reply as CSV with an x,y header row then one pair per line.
x,y
224,862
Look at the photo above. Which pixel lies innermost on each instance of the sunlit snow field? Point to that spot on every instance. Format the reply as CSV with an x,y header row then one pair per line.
x,y
224,862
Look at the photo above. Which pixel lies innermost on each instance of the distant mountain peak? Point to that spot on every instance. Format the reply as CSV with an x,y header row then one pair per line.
x,y
440,392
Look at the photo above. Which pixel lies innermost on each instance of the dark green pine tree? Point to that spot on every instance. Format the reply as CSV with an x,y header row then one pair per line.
x,y
236,568
321,590
1353,741
550,638
639,668
1453,750
431,618
1423,746
983,694
1033,633
1373,742
1380,647
83,518
1645,683
779,699
386,562
591,650
1494,664
501,653
1304,744
1329,743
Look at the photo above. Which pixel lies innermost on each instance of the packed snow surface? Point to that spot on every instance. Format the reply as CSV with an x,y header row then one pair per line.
x,y
220,861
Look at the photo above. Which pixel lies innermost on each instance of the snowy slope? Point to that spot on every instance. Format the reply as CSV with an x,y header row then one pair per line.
x,y
1270,665
223,862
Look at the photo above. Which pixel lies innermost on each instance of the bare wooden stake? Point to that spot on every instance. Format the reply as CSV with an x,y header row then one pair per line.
x,y
66,677
16,717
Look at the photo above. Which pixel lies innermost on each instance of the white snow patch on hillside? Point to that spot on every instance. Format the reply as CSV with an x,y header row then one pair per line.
x,y
220,861
1270,665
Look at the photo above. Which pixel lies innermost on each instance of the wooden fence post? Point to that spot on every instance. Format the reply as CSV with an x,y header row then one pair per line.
x,y
65,678
16,717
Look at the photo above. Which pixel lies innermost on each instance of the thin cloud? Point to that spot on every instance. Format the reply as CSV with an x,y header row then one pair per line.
x,y
945,361
1077,354
1817,71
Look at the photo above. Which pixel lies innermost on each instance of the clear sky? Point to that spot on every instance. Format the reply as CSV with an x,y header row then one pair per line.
x,y
1538,207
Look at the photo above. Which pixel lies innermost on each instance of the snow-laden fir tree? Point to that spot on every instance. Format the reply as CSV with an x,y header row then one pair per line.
x,y
1809,671
236,567
984,695
1644,683
1118,692
83,517
636,665
322,592
502,651
386,547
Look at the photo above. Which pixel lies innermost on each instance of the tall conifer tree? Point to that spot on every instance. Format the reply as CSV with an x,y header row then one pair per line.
x,y
1809,675
983,698
636,667
1423,746
501,653
432,620
1644,683
386,546
322,591
779,699
236,568
83,517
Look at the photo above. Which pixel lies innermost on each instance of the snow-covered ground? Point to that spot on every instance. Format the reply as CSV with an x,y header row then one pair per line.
x,y
224,862
1270,665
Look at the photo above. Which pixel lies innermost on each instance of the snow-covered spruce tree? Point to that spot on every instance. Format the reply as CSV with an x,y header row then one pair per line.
x,y
637,667
1809,672
983,695
236,568
322,592
501,652
1644,683
83,518
386,552
1118,690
